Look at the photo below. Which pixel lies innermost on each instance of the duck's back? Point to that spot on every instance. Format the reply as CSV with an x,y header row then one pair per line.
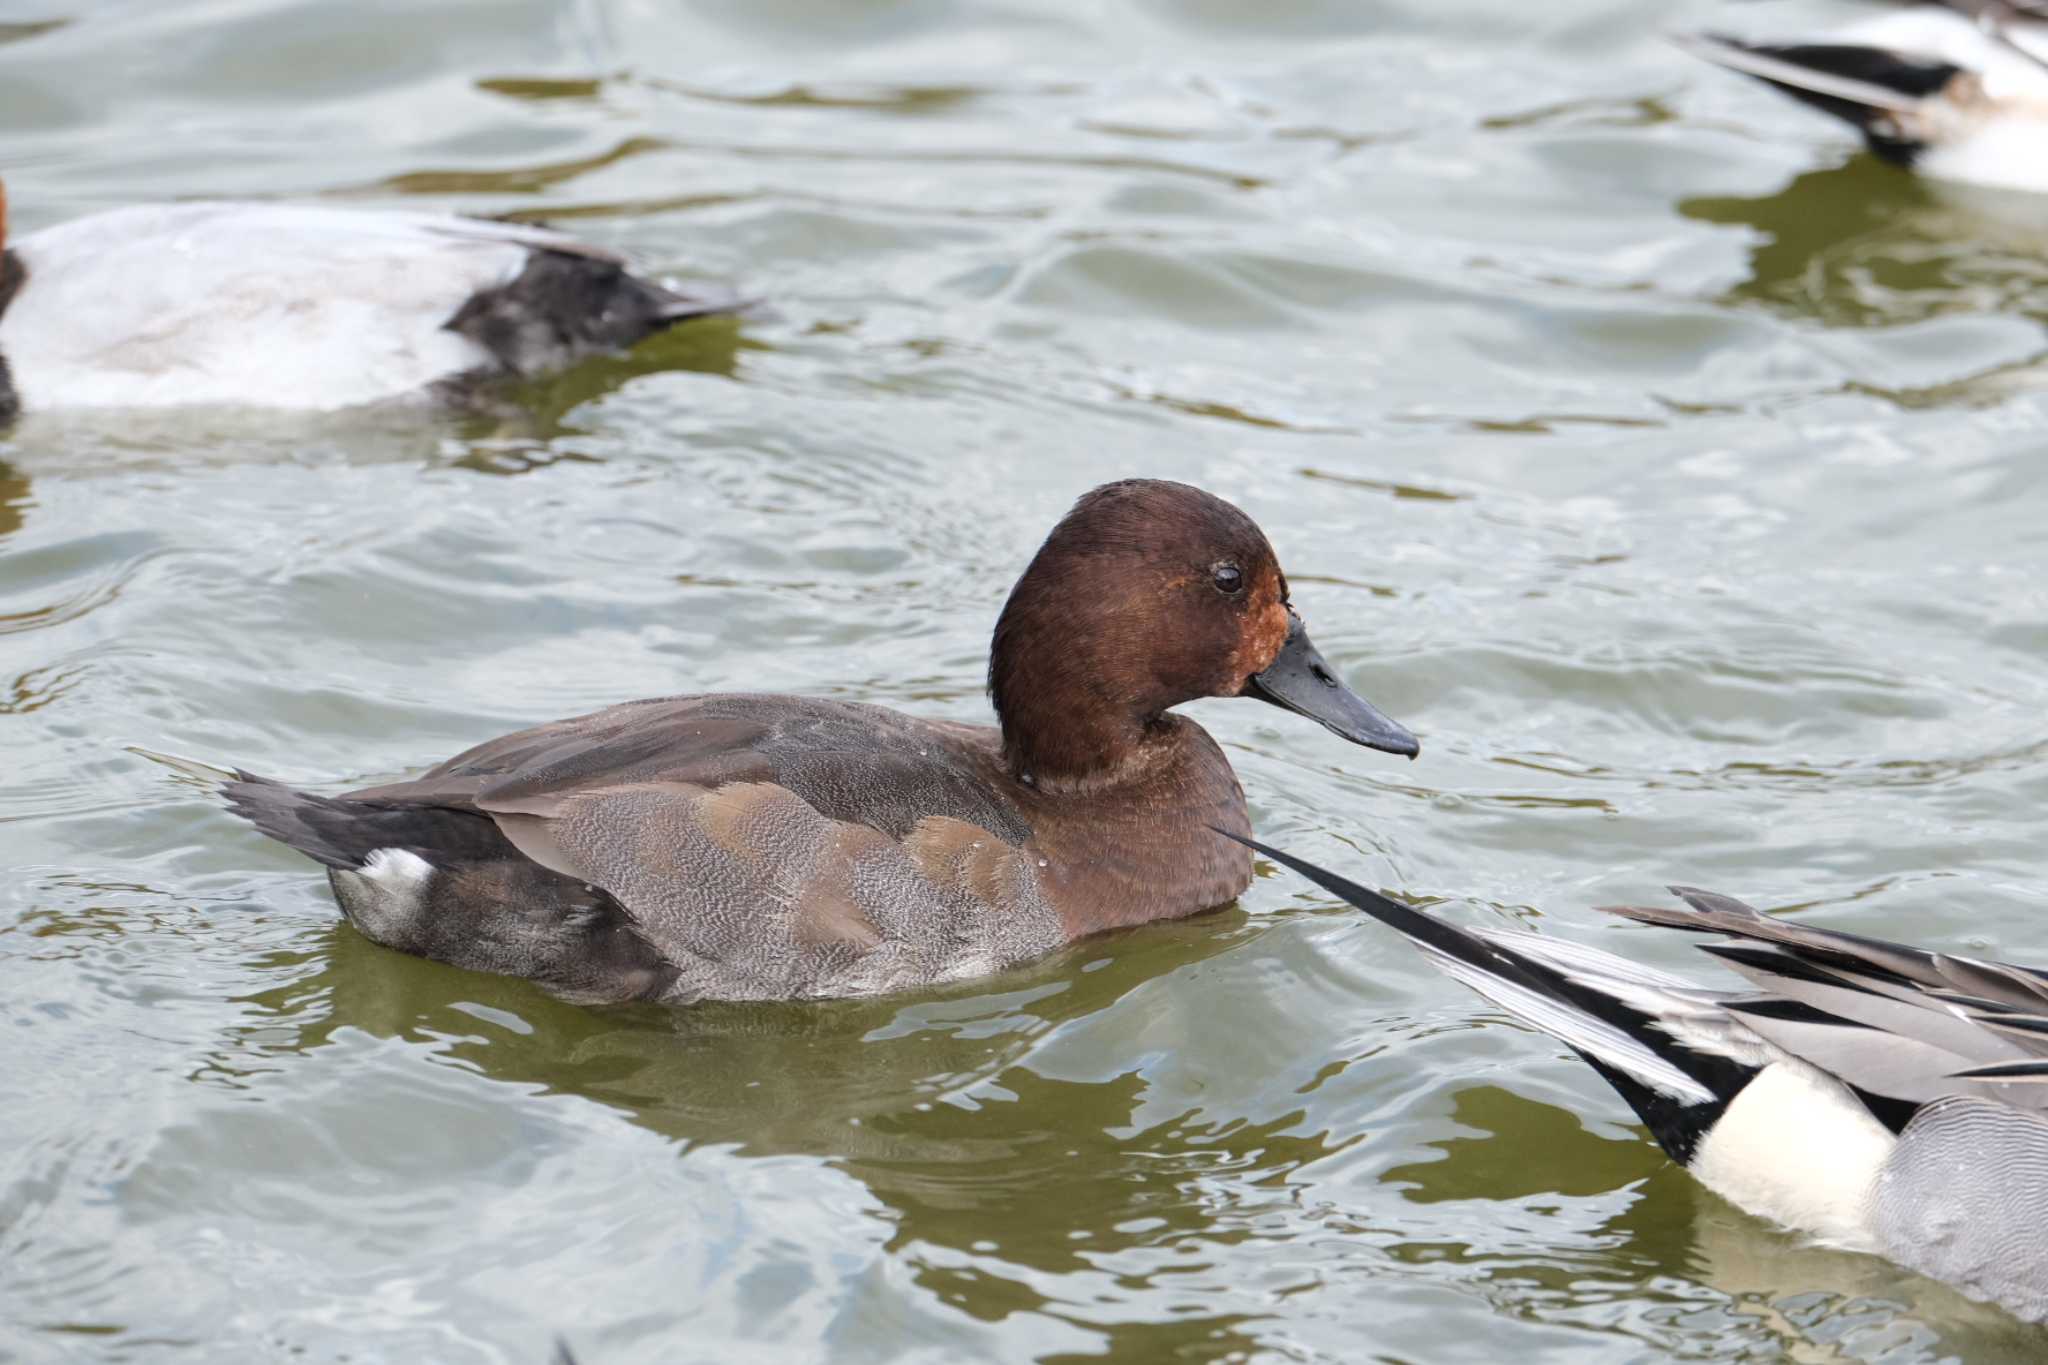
x,y
850,761
295,306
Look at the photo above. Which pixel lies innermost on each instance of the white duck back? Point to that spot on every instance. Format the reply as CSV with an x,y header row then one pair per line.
x,y
268,305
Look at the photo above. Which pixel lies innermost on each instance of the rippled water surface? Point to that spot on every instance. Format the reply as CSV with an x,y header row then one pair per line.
x,y
1676,472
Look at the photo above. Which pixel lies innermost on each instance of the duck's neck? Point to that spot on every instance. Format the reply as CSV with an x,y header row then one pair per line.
x,y
1143,845
1072,718
1055,750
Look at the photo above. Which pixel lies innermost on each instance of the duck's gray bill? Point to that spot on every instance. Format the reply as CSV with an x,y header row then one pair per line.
x,y
1303,683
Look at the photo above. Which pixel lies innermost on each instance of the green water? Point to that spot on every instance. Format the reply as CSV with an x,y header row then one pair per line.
x,y
1677,475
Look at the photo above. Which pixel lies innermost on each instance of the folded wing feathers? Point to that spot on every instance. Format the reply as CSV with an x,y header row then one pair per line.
x,y
2028,1031
1998,981
1885,1017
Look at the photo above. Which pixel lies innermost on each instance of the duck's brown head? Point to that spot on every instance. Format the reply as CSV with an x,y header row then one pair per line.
x,y
1148,594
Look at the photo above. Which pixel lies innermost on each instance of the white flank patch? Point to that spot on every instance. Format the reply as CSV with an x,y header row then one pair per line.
x,y
1797,1147
397,873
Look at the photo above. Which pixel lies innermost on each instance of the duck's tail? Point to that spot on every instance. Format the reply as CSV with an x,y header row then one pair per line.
x,y
332,832
1877,91
1662,1042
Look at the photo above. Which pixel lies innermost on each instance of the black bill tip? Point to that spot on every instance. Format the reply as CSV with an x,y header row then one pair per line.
x,y
1300,680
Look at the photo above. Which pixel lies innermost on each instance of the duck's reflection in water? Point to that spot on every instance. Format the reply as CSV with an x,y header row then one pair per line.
x,y
1863,245
994,1177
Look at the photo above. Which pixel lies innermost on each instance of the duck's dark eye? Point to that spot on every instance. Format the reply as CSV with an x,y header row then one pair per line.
x,y
1229,579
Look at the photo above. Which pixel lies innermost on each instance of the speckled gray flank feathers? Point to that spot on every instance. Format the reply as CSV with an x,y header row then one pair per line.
x,y
1850,1041
1962,1201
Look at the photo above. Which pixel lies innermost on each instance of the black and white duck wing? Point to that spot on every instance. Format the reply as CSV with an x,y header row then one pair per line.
x,y
1951,96
1888,1019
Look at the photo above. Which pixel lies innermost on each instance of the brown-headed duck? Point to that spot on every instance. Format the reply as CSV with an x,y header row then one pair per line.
x,y
304,306
737,846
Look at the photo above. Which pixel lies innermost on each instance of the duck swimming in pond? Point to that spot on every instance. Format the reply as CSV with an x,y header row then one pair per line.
x,y
739,846
1874,1096
304,307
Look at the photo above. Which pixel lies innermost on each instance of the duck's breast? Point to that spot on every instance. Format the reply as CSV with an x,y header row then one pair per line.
x,y
265,305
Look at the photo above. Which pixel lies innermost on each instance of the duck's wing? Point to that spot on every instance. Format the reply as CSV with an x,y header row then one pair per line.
x,y
768,847
1888,1018
865,764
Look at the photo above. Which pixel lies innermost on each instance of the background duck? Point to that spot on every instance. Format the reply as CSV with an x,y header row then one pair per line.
x,y
304,306
1874,1096
745,846
1957,92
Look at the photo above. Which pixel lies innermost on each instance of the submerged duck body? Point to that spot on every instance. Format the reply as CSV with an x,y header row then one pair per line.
x,y
1874,1096
741,846
303,307
1955,92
